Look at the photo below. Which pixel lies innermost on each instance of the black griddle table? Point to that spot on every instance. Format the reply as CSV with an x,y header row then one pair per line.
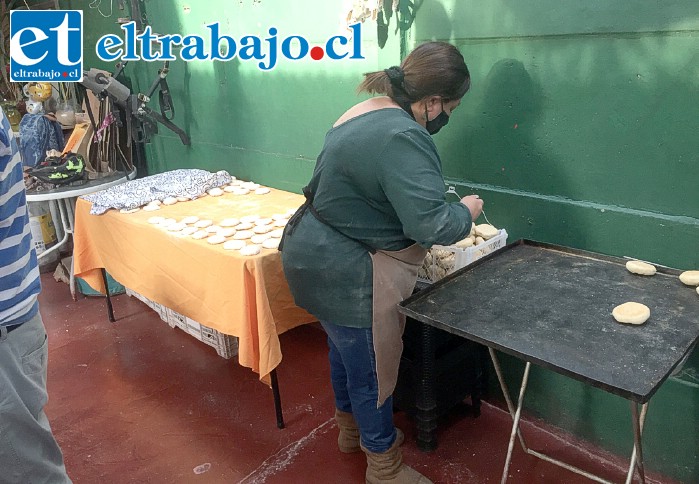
x,y
551,306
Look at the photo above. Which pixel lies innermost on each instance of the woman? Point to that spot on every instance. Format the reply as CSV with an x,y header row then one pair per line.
x,y
375,202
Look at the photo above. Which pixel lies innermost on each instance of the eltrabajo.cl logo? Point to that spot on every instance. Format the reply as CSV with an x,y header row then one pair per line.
x,y
46,45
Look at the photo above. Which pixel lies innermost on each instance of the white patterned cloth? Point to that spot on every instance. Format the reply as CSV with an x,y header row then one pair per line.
x,y
190,183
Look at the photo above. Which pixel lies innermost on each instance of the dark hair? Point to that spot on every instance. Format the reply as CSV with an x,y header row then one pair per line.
x,y
431,69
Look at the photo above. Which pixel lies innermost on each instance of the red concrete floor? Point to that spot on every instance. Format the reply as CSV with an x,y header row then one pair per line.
x,y
137,401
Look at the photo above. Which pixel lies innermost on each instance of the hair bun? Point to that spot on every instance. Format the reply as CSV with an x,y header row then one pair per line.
x,y
395,75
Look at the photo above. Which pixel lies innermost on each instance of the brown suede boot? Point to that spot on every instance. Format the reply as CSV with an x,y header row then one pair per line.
x,y
387,467
348,440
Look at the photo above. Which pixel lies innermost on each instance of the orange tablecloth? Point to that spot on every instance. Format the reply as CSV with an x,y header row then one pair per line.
x,y
247,297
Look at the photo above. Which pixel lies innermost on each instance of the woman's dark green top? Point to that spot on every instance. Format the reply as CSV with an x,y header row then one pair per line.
x,y
379,180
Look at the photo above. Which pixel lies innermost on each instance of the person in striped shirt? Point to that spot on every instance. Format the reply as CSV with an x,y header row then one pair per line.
x,y
28,451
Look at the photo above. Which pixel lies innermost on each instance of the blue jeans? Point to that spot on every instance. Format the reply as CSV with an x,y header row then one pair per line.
x,y
353,376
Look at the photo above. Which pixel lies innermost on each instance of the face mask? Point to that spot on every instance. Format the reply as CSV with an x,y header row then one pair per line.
x,y
437,123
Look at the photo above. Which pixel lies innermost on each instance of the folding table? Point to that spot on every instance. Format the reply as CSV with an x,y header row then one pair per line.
x,y
551,306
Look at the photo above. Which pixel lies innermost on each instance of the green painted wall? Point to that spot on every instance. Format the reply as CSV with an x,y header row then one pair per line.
x,y
580,129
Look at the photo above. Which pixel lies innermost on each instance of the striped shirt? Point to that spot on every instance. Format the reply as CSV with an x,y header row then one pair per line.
x,y
19,271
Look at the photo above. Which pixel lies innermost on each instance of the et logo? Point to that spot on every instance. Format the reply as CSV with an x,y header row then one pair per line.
x,y
46,45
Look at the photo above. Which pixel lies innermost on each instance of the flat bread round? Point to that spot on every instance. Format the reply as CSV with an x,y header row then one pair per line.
x,y
259,238
250,250
155,220
243,234
249,218
215,192
176,227
641,268
270,243
226,232
151,208
201,234
229,222
183,199
631,313
690,278
212,229
264,221
169,201
486,231
234,245
129,210
192,219
202,224
244,226
216,239
189,230
262,191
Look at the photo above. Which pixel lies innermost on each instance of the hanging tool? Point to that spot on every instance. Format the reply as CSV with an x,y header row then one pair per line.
x,y
452,190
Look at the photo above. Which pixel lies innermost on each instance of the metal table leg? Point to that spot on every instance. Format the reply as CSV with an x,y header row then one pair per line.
x,y
426,402
638,421
277,399
110,310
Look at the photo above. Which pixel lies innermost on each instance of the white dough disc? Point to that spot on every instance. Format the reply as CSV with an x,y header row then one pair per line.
x,y
631,313
262,191
279,216
280,223
155,220
243,234
200,234
189,230
215,192
234,245
244,226
249,218
263,221
259,238
271,243
262,229
229,222
129,210
166,222
176,227
240,191
690,278
192,219
182,199
212,229
202,224
697,289
216,239
641,268
250,250
230,188
226,232
486,231
169,201
276,233
250,185
155,202
234,182
151,208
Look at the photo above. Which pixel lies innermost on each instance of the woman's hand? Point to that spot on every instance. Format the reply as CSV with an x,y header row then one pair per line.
x,y
474,205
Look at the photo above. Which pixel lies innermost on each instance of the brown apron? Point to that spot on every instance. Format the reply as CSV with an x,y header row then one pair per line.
x,y
395,273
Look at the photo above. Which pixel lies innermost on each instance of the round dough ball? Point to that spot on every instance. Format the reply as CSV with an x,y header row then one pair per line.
x,y
190,220
226,232
169,201
244,226
234,245
690,278
176,227
486,231
276,233
263,221
189,230
271,243
166,222
216,239
250,250
631,313
262,191
243,234
639,267
129,210
155,220
249,218
465,243
182,199
229,222
259,238
202,224
200,234
262,229
215,192
151,208
212,229
479,240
